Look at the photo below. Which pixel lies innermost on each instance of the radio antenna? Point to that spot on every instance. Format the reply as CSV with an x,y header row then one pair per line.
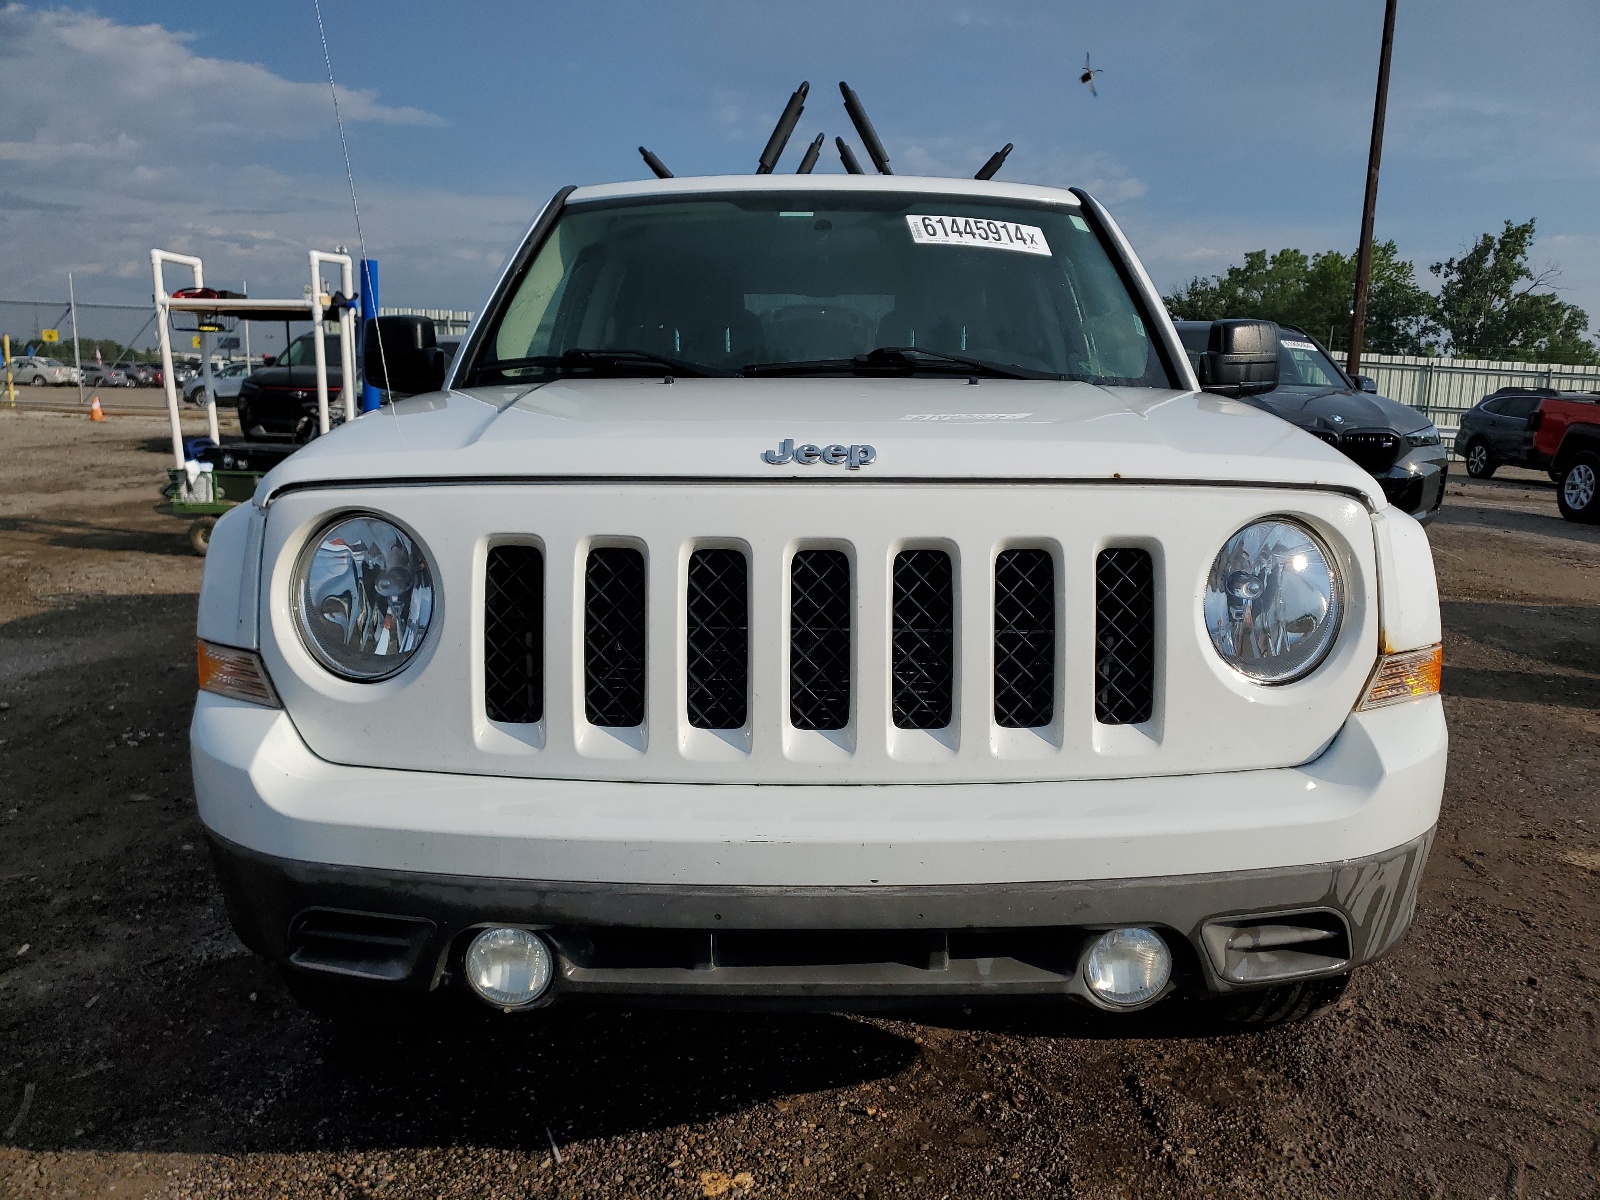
x,y
813,151
655,164
868,135
996,161
783,130
848,157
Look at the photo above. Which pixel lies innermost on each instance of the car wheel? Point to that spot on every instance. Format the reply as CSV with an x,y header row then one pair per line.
x,y
1480,463
38,381
1578,492
1286,1004
200,535
244,419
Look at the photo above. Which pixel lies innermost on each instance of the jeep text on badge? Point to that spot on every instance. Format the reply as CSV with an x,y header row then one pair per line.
x,y
854,457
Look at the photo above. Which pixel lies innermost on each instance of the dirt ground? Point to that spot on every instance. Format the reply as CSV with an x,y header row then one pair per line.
x,y
143,1052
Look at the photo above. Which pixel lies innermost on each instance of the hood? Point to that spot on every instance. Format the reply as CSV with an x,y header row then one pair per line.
x,y
295,377
1317,409
916,428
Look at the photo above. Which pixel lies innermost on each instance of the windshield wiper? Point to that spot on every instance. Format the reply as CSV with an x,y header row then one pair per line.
x,y
900,358
599,360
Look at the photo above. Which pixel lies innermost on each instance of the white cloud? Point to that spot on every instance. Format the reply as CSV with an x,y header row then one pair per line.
x,y
122,138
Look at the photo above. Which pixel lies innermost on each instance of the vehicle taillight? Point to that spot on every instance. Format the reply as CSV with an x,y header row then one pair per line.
x,y
1535,419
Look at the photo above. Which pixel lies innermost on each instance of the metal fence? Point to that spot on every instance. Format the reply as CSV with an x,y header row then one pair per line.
x,y
446,321
1444,388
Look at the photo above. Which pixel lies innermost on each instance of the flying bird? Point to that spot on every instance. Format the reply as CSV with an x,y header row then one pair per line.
x,y
1088,75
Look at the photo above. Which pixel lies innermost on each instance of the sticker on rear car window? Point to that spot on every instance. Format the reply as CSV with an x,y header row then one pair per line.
x,y
1299,345
976,231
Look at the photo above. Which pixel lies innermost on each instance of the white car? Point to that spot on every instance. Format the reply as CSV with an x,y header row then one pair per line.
x,y
225,384
41,372
821,590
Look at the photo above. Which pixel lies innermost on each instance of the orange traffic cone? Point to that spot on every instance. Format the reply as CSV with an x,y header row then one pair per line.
x,y
96,413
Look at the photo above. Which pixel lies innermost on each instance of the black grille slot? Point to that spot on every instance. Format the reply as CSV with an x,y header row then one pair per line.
x,y
1024,639
513,634
819,640
719,639
1372,451
924,639
613,637
1125,637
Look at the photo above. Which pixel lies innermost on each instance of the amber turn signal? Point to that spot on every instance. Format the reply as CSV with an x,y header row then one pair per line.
x,y
1409,675
237,674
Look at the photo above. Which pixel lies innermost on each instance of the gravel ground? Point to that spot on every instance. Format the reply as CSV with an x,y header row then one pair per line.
x,y
143,1052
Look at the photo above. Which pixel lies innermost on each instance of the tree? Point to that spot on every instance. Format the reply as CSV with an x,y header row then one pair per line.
x,y
1489,308
1315,294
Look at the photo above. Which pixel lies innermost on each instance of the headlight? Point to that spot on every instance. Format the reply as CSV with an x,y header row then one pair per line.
x,y
1273,601
363,597
1424,437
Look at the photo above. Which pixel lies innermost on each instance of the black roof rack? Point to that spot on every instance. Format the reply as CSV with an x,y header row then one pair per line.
x,y
790,117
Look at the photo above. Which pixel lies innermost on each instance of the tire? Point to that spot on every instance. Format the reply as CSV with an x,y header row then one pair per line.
x,y
200,535
1286,1004
38,381
1578,490
1480,463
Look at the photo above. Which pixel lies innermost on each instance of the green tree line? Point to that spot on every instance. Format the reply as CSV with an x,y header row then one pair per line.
x,y
1491,303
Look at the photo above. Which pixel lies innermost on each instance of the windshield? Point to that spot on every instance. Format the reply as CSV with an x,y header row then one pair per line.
x,y
804,283
1300,363
303,353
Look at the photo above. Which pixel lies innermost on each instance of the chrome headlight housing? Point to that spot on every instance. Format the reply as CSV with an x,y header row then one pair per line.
x,y
1274,601
363,597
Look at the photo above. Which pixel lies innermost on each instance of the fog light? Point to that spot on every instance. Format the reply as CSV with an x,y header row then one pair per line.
x,y
510,968
1127,967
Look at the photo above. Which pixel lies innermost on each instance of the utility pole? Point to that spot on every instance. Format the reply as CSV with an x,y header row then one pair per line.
x,y
1358,319
244,286
77,359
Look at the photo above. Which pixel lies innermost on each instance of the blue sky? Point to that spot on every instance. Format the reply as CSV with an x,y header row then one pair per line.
x,y
1219,127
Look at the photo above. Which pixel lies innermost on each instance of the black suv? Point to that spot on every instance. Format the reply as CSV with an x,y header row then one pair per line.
x,y
1393,442
281,400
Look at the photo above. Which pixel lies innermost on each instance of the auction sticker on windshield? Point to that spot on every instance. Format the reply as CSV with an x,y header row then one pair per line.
x,y
976,231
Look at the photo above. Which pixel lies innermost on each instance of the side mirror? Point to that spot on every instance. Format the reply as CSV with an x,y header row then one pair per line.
x,y
399,355
1366,383
1241,358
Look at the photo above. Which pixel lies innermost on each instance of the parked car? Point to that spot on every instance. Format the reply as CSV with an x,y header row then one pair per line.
x,y
143,374
225,384
281,400
1393,442
1498,431
41,372
99,376
823,590
1566,438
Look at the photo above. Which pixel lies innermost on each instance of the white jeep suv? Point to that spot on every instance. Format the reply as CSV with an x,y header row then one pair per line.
x,y
820,590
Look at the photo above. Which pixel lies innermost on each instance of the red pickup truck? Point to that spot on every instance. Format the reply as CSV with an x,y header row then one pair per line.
x,y
1566,435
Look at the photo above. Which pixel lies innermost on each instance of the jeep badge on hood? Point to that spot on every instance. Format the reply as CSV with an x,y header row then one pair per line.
x,y
854,457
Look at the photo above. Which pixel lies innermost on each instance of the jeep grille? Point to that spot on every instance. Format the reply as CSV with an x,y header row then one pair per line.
x,y
819,640
513,634
614,638
1125,637
718,662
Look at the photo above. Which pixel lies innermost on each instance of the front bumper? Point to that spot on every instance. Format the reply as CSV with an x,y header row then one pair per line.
x,y
822,894
1416,483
